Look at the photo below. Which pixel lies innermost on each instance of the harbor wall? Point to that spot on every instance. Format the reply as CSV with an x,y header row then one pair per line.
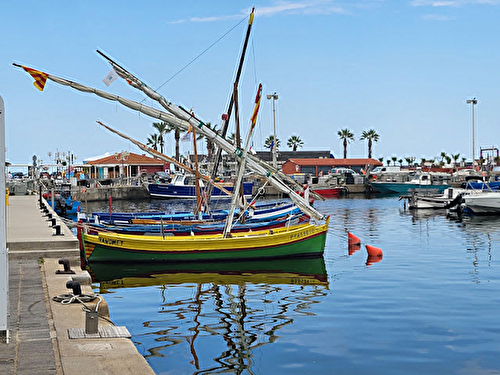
x,y
116,192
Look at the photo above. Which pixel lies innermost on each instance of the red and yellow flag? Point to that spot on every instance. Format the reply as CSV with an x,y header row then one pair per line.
x,y
39,77
253,120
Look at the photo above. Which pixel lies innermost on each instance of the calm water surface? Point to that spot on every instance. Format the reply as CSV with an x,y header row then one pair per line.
x,y
430,306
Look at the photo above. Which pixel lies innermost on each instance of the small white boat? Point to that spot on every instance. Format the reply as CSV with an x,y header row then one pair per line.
x,y
431,199
487,202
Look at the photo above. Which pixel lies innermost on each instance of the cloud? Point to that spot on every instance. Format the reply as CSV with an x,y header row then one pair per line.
x,y
436,17
452,3
308,7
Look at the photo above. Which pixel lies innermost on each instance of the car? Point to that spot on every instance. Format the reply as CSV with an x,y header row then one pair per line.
x,y
342,170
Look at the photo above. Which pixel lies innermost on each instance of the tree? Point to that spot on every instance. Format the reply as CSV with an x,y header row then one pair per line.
x,y
210,142
394,158
161,127
381,159
455,158
269,141
153,141
400,161
372,136
294,142
346,136
177,137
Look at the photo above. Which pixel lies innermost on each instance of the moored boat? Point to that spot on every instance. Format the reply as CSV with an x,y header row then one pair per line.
x,y
420,181
487,202
183,186
301,240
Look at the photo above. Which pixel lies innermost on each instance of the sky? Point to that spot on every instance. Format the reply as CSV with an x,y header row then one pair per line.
x,y
404,68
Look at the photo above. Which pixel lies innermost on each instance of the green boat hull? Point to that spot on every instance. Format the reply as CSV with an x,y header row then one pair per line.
x,y
308,247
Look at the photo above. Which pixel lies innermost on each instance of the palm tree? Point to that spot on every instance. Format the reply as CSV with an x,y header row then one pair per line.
x,y
381,159
394,158
294,142
346,136
161,127
269,141
177,137
455,158
153,141
210,142
372,136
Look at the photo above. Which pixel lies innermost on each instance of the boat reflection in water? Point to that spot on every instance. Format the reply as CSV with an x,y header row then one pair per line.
x,y
212,317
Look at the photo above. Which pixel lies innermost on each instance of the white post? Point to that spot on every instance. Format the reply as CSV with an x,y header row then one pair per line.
x,y
4,261
473,102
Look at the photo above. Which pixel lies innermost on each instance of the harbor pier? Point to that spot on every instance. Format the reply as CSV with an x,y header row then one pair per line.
x,y
39,339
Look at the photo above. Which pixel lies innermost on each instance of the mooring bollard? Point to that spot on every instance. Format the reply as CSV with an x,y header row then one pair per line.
x,y
57,229
91,322
53,222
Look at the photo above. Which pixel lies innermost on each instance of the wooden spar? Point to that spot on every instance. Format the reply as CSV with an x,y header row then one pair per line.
x,y
241,170
180,120
196,174
225,123
163,157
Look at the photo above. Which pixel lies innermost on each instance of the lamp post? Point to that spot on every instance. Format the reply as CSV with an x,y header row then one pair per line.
x,y
274,97
473,102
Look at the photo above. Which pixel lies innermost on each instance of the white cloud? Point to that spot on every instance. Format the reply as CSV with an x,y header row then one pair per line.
x,y
452,3
309,7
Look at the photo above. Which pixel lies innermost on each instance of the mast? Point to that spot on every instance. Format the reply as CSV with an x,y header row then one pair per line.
x,y
227,116
241,170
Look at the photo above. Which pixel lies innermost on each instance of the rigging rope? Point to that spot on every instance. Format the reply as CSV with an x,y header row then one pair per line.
x,y
202,53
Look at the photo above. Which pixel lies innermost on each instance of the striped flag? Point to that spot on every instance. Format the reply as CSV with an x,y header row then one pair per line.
x,y
39,77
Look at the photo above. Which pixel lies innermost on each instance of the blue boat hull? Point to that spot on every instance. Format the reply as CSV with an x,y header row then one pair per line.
x,y
189,192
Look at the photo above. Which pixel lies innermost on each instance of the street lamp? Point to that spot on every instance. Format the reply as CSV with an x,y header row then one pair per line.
x,y
274,97
473,102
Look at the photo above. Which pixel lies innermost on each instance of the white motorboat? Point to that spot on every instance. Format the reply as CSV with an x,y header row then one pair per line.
x,y
427,198
487,202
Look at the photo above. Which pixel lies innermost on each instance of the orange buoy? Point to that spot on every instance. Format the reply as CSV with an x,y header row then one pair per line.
x,y
352,239
374,251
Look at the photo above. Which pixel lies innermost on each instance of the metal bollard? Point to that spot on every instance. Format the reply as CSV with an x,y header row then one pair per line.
x,y
57,229
91,322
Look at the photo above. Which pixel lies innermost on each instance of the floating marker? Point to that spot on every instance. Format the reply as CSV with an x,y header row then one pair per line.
x,y
373,259
374,251
352,239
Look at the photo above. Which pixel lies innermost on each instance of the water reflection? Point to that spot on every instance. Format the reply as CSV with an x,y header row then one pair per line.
x,y
221,313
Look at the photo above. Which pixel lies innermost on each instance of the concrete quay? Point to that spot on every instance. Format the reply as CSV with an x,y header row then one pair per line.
x,y
46,336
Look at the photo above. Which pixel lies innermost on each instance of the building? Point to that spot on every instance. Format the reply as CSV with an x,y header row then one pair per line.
x,y
322,166
123,164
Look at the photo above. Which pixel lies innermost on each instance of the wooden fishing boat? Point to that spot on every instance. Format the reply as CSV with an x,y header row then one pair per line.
x,y
309,271
301,240
259,211
176,229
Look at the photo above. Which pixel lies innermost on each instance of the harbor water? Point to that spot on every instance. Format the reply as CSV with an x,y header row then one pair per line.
x,y
428,306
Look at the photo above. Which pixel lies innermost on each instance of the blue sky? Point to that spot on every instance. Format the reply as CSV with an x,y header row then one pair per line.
x,y
403,68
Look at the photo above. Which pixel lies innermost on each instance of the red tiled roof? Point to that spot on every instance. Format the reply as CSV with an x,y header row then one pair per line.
x,y
335,162
133,159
